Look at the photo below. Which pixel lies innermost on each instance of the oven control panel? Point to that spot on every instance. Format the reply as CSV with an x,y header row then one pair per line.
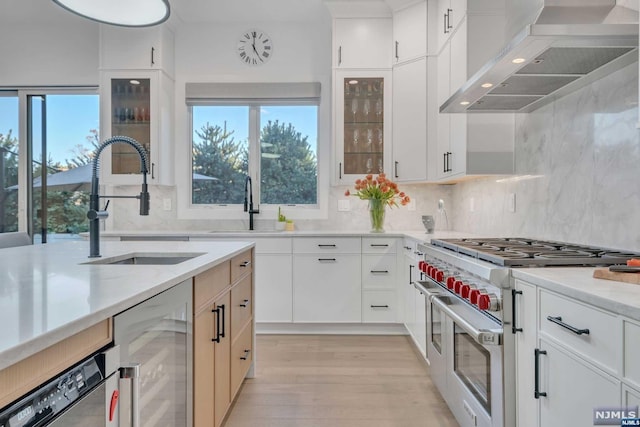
x,y
43,404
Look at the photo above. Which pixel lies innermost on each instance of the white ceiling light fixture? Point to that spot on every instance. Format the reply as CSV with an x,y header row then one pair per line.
x,y
126,13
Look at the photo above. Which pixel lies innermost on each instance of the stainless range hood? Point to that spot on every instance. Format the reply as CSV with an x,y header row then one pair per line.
x,y
570,43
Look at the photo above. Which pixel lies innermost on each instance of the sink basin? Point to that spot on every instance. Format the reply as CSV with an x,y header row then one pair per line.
x,y
157,258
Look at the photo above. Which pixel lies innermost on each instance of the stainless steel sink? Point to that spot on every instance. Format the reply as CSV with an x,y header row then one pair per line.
x,y
146,259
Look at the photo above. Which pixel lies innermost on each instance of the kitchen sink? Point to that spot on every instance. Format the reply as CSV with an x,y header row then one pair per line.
x,y
156,258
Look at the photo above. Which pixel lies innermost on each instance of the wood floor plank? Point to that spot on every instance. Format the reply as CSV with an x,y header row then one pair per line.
x,y
339,381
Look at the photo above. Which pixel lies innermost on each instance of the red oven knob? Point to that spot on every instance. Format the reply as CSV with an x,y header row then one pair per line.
x,y
457,286
429,270
440,276
473,296
484,302
434,272
420,265
465,290
450,281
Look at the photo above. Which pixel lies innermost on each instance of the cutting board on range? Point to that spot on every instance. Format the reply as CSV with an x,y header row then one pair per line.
x,y
632,277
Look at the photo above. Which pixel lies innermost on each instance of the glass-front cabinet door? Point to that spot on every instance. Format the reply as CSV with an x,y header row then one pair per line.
x,y
362,131
137,104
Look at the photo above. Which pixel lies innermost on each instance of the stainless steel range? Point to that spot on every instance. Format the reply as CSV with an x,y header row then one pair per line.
x,y
470,301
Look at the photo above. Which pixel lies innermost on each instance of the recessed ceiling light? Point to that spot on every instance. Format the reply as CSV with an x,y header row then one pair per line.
x,y
134,82
518,60
125,13
487,85
353,82
465,103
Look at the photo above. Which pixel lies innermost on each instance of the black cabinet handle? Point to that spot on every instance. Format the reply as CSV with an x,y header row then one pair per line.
x,y
536,392
245,303
558,321
245,264
380,271
397,57
407,248
449,11
326,246
395,169
153,59
514,329
411,267
340,170
217,337
327,259
379,306
445,26
246,355
224,327
339,55
444,162
153,171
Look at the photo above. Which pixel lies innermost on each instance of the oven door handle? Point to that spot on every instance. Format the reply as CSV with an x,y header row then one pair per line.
x,y
132,372
481,336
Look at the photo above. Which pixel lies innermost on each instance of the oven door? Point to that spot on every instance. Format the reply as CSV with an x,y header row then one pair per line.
x,y
474,365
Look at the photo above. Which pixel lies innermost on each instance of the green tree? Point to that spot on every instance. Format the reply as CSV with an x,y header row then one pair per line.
x,y
217,155
9,177
288,166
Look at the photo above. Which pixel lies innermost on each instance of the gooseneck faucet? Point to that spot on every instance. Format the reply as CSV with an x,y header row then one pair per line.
x,y
248,205
95,214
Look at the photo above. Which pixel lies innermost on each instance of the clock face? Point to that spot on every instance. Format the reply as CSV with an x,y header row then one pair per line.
x,y
255,47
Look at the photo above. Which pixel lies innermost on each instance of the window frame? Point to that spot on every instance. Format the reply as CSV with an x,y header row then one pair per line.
x,y
267,211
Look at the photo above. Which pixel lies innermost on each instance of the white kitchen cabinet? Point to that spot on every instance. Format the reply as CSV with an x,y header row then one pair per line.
x,y
362,43
409,141
274,288
420,321
410,32
379,306
469,144
526,333
573,388
448,17
362,123
148,48
137,104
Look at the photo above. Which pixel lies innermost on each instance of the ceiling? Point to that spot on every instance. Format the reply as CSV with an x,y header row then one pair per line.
x,y
183,11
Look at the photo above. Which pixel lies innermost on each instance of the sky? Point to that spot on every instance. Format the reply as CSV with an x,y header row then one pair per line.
x,y
70,119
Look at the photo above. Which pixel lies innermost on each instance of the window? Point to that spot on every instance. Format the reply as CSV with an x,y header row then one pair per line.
x,y
238,134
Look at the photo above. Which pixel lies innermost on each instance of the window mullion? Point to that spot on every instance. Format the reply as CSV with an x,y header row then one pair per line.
x,y
254,150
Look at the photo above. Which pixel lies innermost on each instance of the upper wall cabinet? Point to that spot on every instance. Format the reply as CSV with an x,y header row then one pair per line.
x,y
410,33
150,48
362,43
448,17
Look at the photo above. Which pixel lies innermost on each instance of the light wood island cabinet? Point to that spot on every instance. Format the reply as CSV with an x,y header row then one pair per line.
x,y
222,337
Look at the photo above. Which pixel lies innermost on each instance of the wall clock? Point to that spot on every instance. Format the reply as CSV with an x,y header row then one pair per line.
x,y
255,47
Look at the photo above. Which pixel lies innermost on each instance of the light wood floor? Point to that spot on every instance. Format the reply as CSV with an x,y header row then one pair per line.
x,y
339,381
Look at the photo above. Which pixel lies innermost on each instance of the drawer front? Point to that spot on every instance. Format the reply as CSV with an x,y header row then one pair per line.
x,y
631,352
275,245
326,245
379,306
379,245
210,283
241,264
602,345
241,304
241,358
379,271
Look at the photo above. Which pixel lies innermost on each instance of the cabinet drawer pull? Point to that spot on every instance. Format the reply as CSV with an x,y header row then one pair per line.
x,y
407,248
153,59
326,246
536,391
449,26
380,245
397,57
379,271
558,321
445,26
327,259
380,306
245,264
418,253
246,355
244,303
217,313
339,55
340,170
514,328
411,267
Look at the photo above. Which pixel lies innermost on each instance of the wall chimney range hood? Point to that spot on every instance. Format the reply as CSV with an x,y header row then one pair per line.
x,y
570,44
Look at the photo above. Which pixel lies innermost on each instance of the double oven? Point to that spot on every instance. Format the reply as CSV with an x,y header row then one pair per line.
x,y
469,307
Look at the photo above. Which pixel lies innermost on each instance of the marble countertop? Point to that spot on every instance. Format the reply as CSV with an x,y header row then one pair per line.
x,y
48,292
578,283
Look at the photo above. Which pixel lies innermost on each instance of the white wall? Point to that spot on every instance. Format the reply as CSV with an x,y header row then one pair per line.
x,y
45,54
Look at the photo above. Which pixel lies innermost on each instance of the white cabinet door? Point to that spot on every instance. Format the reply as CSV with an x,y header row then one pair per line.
x,y
525,343
362,42
409,293
573,388
410,121
443,121
326,288
410,32
274,288
147,48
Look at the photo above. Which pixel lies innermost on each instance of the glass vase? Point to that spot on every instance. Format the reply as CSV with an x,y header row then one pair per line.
x,y
376,213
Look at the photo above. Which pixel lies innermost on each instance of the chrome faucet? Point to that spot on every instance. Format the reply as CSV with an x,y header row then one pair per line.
x,y
95,214
248,205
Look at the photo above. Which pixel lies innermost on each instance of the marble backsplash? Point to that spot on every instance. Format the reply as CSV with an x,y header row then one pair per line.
x,y
577,170
577,166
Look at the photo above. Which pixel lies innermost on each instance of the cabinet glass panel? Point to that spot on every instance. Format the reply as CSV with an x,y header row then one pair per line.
x,y
363,125
131,104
